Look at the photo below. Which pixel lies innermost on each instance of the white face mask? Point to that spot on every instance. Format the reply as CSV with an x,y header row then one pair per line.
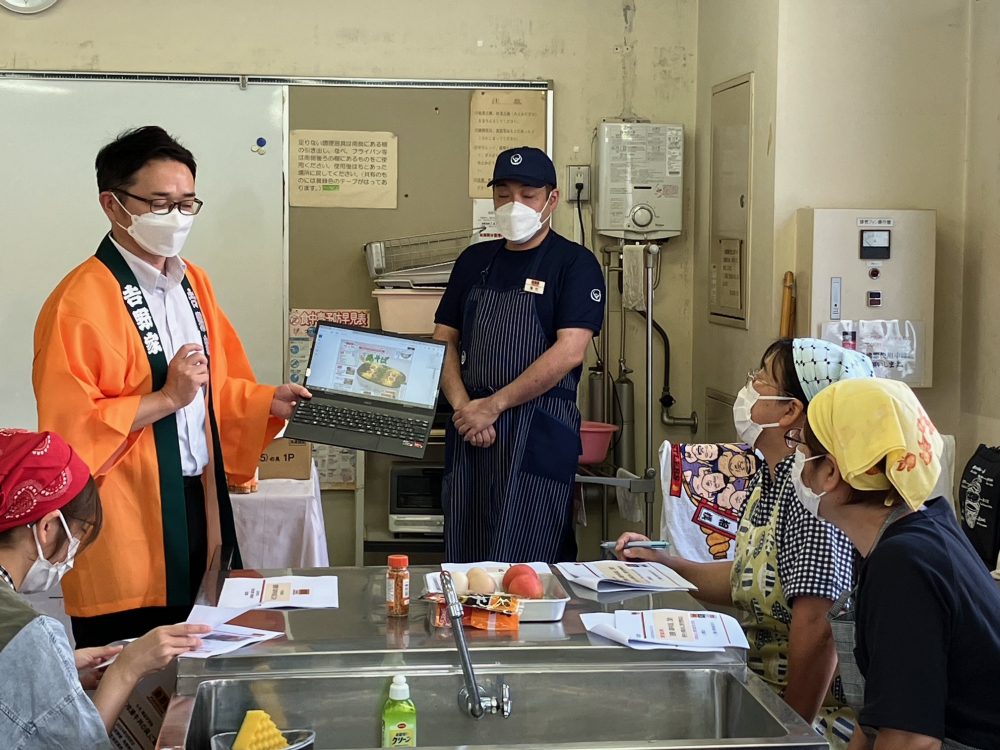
x,y
43,575
159,234
518,222
749,430
805,494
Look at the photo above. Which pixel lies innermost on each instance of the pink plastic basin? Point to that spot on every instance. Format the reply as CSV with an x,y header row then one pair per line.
x,y
596,437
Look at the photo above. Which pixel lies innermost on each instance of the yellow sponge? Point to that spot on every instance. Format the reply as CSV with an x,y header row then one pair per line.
x,y
258,732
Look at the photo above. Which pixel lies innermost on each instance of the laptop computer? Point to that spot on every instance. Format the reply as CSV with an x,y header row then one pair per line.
x,y
373,391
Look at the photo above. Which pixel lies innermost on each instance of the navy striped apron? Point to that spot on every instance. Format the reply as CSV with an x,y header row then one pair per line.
x,y
511,502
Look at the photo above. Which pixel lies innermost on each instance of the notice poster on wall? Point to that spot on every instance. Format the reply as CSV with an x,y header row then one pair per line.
x,y
484,216
499,120
337,467
342,169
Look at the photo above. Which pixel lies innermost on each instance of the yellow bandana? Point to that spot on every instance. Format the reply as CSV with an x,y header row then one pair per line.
x,y
864,420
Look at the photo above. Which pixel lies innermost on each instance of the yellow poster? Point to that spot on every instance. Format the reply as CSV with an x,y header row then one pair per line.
x,y
499,120
342,169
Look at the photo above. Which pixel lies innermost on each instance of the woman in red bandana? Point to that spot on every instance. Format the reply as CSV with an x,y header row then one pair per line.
x,y
49,510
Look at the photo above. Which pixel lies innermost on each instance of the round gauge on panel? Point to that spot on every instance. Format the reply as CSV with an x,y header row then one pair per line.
x,y
27,6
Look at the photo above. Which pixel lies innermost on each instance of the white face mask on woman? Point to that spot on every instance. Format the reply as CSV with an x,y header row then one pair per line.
x,y
43,575
159,234
517,222
806,495
747,429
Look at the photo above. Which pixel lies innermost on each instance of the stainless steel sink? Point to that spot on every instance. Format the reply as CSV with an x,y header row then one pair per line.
x,y
613,706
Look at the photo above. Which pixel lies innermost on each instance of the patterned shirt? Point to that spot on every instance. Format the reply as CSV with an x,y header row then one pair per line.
x,y
814,557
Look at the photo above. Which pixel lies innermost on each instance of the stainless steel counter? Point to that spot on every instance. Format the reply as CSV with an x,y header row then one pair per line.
x,y
332,668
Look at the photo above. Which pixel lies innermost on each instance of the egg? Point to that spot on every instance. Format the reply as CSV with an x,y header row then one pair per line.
x,y
461,583
481,582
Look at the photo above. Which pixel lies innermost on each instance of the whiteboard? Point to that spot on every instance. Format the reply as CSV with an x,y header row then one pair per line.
x,y
51,221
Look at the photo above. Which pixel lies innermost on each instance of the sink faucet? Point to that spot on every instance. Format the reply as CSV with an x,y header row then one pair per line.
x,y
473,698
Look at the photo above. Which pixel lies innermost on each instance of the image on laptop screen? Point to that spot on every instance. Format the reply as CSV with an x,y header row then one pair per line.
x,y
369,365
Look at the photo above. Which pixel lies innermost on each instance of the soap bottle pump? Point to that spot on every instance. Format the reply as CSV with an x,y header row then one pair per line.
x,y
399,716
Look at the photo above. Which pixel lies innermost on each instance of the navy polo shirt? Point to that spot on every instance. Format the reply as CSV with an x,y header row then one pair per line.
x,y
574,283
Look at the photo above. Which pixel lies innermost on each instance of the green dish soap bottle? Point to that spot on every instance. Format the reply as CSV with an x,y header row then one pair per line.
x,y
399,716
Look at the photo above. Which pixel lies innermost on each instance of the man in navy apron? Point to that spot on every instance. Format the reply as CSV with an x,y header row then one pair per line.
x,y
518,316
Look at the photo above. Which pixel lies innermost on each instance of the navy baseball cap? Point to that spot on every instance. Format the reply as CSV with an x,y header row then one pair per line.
x,y
532,166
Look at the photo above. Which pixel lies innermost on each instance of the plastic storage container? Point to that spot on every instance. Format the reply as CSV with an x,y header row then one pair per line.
x,y
596,437
297,739
408,310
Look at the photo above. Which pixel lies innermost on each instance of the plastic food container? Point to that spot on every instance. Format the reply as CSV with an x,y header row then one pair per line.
x,y
596,437
549,609
408,310
297,739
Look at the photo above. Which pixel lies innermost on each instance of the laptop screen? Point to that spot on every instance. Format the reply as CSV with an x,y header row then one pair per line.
x,y
372,365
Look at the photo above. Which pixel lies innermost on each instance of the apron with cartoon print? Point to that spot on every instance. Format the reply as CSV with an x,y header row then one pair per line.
x,y
757,591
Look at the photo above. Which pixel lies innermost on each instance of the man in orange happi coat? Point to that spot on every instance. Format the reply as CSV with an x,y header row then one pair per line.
x,y
138,368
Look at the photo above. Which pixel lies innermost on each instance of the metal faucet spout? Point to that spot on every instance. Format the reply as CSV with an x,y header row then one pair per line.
x,y
472,694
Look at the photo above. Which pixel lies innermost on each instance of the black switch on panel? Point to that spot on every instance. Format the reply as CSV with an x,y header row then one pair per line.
x,y
874,299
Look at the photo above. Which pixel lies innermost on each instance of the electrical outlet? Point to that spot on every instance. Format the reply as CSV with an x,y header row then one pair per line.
x,y
577,174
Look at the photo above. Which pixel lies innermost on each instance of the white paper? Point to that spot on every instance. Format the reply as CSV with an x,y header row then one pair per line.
x,y
484,216
667,629
613,575
227,638
303,592
214,616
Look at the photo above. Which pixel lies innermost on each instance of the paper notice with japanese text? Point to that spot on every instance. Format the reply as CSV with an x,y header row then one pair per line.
x,y
667,628
337,467
342,169
613,575
139,723
305,592
484,216
499,120
228,638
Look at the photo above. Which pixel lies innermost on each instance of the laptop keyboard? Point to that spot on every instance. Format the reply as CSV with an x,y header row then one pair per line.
x,y
355,420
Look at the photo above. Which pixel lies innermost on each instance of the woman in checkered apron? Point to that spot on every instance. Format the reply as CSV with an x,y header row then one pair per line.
x,y
789,566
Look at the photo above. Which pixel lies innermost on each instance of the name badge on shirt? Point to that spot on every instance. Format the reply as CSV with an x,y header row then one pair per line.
x,y
534,286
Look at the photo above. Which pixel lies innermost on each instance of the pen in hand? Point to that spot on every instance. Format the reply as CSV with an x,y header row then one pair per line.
x,y
637,545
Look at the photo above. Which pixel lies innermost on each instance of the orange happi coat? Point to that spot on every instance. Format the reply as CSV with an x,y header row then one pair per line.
x,y
90,370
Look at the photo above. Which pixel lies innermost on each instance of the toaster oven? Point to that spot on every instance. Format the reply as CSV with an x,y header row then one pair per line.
x,y
415,499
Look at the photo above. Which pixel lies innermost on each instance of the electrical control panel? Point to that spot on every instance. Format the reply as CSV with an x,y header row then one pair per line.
x,y
865,280
640,180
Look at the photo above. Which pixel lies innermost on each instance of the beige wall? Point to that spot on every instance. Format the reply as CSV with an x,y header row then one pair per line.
x,y
867,103
736,37
980,405
871,114
602,60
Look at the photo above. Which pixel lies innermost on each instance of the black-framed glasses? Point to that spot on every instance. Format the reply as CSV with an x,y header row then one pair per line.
x,y
162,206
793,438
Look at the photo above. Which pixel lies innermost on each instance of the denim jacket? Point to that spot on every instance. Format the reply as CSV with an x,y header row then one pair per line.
x,y
42,704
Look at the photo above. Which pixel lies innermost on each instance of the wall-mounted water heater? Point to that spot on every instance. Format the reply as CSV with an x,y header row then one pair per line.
x,y
640,180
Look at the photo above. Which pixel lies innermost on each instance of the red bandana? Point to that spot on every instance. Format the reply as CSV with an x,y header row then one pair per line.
x,y
39,473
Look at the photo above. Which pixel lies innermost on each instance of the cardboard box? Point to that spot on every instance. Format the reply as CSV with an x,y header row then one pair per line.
x,y
286,459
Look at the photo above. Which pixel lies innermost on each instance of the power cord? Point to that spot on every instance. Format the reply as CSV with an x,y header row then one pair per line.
x,y
579,211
